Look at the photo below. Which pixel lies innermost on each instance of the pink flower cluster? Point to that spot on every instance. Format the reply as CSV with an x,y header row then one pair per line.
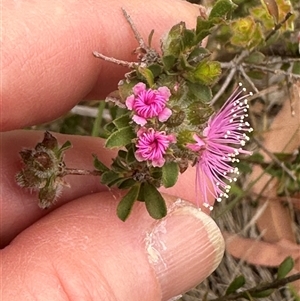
x,y
147,104
222,141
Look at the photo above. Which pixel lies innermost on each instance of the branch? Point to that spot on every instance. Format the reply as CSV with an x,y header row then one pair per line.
x,y
260,288
280,164
137,35
234,66
247,78
81,172
130,65
275,71
278,26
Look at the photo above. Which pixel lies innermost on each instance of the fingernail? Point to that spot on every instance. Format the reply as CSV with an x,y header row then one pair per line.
x,y
184,248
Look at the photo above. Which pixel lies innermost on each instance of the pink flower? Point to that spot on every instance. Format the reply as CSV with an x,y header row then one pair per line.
x,y
148,103
152,146
222,141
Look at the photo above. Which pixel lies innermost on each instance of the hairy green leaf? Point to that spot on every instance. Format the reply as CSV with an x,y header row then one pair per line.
x,y
202,92
255,58
147,74
126,203
207,72
155,203
99,165
221,9
122,121
120,138
170,173
109,178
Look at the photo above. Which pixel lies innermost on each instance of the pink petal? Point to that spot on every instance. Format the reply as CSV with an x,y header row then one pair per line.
x,y
199,141
129,102
138,156
138,88
164,92
139,120
196,146
193,147
164,114
141,131
158,162
206,130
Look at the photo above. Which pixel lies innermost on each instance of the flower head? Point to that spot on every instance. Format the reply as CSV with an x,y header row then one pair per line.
x,y
222,141
152,146
148,103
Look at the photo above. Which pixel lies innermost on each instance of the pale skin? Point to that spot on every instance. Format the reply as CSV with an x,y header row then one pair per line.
x,y
79,250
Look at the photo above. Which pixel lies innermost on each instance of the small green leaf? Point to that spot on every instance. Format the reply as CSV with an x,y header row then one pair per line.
x,y
246,32
171,45
199,112
155,203
198,54
176,118
202,92
126,184
109,127
256,74
237,283
221,9
147,74
122,121
63,148
255,58
169,61
109,177
99,165
119,165
188,39
120,138
125,205
262,294
170,173
203,28
206,72
130,158
285,267
141,197
155,69
122,154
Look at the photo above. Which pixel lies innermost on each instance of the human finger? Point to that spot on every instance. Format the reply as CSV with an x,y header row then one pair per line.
x,y
47,61
82,251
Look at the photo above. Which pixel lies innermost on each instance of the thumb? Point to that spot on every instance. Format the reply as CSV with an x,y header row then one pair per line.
x,y
81,251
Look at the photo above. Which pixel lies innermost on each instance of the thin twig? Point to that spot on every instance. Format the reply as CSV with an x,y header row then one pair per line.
x,y
137,35
224,86
263,92
278,26
280,164
275,71
260,288
81,172
130,65
233,65
279,60
247,78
